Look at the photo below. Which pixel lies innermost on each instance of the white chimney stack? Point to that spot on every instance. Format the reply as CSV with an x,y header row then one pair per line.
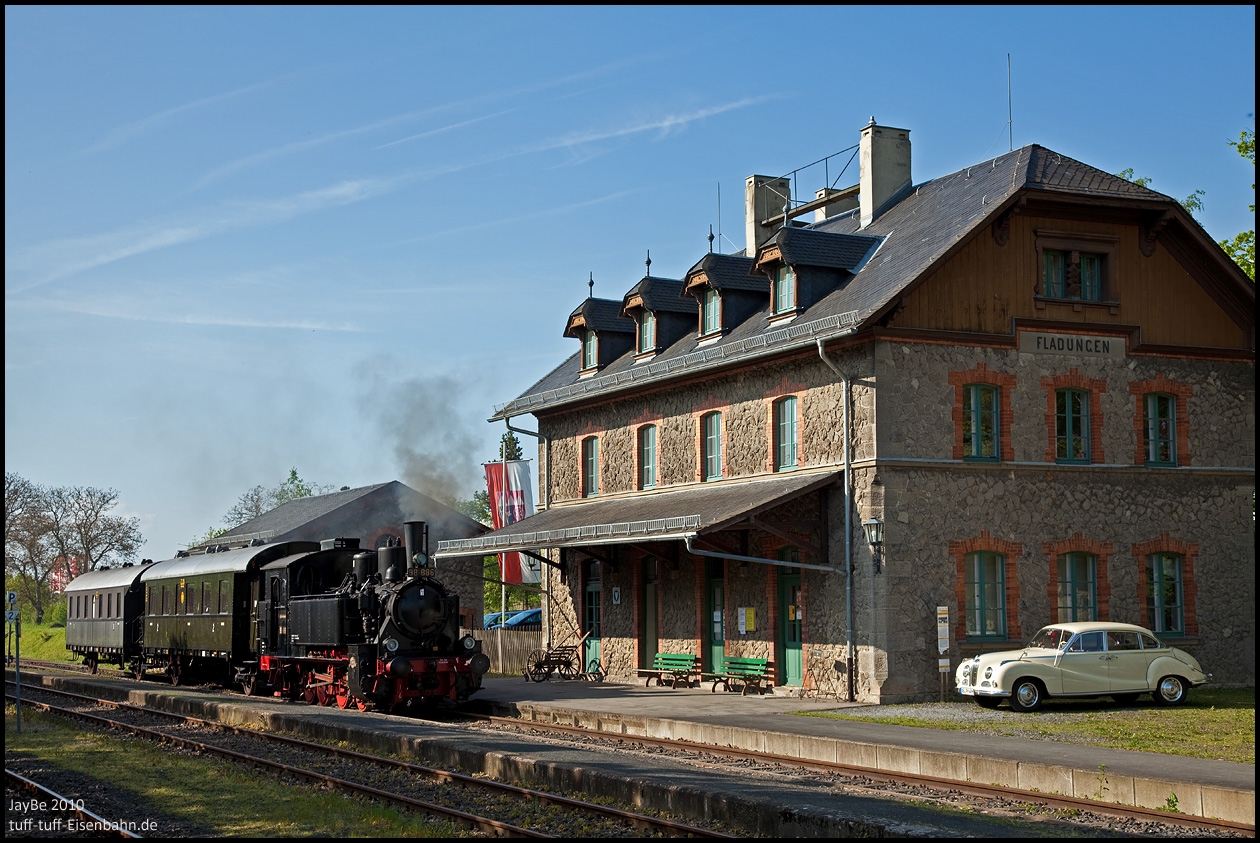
x,y
885,168
764,197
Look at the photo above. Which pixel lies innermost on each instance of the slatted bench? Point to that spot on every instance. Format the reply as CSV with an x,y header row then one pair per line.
x,y
679,667
748,673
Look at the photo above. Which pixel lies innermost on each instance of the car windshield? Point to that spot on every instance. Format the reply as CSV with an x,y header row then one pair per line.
x,y
1050,638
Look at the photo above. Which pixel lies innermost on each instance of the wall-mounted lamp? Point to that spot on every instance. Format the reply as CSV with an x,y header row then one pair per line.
x,y
875,535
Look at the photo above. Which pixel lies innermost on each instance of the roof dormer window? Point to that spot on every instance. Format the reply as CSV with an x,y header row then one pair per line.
x,y
590,350
784,291
710,312
647,332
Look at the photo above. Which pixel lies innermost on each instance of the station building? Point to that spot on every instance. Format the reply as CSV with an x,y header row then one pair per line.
x,y
940,414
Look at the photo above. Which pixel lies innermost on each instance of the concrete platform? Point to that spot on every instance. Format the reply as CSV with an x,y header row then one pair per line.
x,y
769,723
1220,789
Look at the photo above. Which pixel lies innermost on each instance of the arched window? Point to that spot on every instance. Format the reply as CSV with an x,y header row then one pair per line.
x,y
711,446
590,467
980,422
1071,440
647,456
1165,600
1160,423
1078,587
985,586
785,438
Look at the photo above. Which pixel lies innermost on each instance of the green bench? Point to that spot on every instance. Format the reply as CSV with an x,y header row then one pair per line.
x,y
680,667
751,674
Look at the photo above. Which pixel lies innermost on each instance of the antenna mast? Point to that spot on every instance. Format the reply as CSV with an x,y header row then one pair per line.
x,y
1010,131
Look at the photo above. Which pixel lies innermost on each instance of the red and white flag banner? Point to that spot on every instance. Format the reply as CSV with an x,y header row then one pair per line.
x,y
512,500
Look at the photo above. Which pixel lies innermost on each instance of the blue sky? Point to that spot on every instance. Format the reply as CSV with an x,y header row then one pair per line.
x,y
243,240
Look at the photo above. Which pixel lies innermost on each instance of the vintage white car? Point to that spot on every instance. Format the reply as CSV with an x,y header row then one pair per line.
x,y
1119,660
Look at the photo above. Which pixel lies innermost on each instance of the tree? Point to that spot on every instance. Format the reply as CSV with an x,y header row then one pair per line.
x,y
84,530
70,525
260,499
510,447
1192,203
29,554
1242,248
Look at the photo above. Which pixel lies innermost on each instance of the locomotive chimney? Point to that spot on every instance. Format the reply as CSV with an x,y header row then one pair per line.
x,y
416,537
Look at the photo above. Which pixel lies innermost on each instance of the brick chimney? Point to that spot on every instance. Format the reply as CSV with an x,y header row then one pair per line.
x,y
764,197
885,168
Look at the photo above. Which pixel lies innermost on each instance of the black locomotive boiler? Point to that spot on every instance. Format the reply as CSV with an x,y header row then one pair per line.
x,y
325,622
386,636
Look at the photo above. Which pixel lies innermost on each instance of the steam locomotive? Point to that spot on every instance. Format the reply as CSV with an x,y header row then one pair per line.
x,y
325,622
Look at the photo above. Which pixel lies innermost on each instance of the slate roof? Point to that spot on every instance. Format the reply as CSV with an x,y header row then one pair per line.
x,y
814,247
661,295
600,315
288,520
292,515
904,242
667,515
730,272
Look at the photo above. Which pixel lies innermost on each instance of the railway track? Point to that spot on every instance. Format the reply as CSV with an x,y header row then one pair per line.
x,y
41,812
1023,805
1071,810
452,796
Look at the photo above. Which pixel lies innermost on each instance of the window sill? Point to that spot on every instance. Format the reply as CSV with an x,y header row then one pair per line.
x,y
1078,305
783,316
982,459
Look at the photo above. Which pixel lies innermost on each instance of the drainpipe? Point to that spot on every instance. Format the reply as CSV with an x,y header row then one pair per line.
x,y
546,585
848,522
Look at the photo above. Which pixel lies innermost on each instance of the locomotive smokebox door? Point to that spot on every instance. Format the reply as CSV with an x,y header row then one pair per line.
x,y
362,672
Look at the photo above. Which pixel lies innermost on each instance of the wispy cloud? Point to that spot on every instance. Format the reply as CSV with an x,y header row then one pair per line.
x,y
59,258
124,133
199,319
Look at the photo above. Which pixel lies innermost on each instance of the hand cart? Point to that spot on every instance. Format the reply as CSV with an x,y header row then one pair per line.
x,y
565,660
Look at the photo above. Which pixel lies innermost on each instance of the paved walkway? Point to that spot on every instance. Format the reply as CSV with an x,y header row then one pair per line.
x,y
771,723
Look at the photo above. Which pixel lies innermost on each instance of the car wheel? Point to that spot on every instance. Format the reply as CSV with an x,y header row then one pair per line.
x,y
1171,690
1125,699
987,702
1027,695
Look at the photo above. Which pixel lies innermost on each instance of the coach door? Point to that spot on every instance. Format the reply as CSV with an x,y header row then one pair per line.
x,y
790,616
715,626
278,623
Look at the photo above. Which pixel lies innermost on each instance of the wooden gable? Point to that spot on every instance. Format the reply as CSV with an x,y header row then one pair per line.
x,y
994,278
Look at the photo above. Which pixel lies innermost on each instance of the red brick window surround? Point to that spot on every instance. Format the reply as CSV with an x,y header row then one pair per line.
x,y
1180,555
1095,387
982,375
1078,548
1180,393
588,467
645,459
963,553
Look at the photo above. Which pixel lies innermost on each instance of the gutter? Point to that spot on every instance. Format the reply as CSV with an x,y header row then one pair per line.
x,y
848,523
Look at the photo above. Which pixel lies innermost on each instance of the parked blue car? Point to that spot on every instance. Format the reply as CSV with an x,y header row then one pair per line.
x,y
528,619
494,620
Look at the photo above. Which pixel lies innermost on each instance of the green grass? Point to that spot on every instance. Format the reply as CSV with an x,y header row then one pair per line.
x,y
223,799
1216,723
43,641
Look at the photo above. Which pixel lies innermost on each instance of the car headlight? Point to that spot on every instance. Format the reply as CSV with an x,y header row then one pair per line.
x,y
988,672
391,644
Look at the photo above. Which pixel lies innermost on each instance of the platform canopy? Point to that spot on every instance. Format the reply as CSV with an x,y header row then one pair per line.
x,y
667,515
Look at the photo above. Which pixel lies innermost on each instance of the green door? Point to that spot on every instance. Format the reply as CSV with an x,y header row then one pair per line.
x,y
715,643
591,615
649,634
790,615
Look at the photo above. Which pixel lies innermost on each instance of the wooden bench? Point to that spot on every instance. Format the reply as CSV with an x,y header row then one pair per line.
x,y
748,673
680,666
